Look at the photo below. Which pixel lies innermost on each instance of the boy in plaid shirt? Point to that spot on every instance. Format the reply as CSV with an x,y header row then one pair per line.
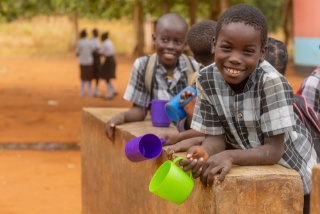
x,y
311,90
170,75
242,101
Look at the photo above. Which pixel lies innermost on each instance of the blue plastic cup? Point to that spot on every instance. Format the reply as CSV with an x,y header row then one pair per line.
x,y
175,109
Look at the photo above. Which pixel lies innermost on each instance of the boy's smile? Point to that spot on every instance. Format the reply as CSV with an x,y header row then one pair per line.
x,y
238,51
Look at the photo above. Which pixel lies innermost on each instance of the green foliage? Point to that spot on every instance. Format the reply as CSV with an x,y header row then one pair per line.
x,y
116,9
273,11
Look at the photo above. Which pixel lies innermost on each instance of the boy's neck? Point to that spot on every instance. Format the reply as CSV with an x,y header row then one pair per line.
x,y
238,88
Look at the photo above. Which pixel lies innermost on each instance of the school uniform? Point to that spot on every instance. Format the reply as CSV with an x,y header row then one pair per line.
x,y
163,88
84,50
108,69
96,58
264,108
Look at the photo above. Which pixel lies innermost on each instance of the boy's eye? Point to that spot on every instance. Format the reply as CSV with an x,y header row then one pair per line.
x,y
248,51
225,47
164,39
178,42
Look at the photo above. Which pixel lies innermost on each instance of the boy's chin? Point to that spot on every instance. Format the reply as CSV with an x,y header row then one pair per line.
x,y
169,62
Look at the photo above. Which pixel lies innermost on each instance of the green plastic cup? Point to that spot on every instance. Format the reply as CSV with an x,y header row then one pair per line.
x,y
171,182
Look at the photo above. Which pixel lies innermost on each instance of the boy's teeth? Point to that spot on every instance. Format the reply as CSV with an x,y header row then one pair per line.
x,y
233,71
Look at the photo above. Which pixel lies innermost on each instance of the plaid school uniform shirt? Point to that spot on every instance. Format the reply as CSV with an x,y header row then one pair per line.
x,y
136,91
311,91
264,109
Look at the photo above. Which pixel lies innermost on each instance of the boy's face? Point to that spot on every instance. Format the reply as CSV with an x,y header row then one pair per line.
x,y
170,42
238,51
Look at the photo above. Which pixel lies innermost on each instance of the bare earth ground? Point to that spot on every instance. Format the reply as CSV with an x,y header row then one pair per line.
x,y
40,165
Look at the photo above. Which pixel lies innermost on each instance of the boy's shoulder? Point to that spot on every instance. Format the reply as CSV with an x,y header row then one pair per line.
x,y
141,61
211,69
316,72
267,67
266,70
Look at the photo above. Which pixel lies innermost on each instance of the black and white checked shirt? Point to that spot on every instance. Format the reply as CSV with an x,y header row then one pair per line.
x,y
264,109
136,91
311,91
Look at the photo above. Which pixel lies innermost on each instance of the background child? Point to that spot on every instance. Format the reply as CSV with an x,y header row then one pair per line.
x,y
199,39
170,76
108,69
277,55
84,50
244,102
311,90
96,60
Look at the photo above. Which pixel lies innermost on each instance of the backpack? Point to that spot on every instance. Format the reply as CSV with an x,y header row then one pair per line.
x,y
309,119
150,68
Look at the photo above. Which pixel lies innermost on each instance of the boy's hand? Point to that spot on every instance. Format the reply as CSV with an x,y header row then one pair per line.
x,y
182,146
189,106
185,95
171,138
196,156
218,163
111,124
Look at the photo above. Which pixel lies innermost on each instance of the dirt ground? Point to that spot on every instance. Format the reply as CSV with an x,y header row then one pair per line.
x,y
40,164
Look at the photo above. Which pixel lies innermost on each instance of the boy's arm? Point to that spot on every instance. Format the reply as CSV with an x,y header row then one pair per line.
x,y
269,153
214,144
189,134
135,113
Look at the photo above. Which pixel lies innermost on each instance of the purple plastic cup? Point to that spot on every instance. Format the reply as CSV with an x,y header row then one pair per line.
x,y
145,147
159,116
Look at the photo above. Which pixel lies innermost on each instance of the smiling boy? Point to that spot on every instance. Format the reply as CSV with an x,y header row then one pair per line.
x,y
170,75
244,102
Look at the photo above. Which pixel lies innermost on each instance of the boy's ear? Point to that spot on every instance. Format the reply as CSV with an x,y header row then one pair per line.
x,y
154,38
186,46
263,53
213,44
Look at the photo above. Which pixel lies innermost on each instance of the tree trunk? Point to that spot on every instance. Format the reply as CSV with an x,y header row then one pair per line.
x,y
138,27
287,21
165,6
215,10
73,18
192,11
224,5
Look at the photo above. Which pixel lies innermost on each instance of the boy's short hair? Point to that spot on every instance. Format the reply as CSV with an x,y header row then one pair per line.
x,y
172,17
277,55
199,37
247,14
